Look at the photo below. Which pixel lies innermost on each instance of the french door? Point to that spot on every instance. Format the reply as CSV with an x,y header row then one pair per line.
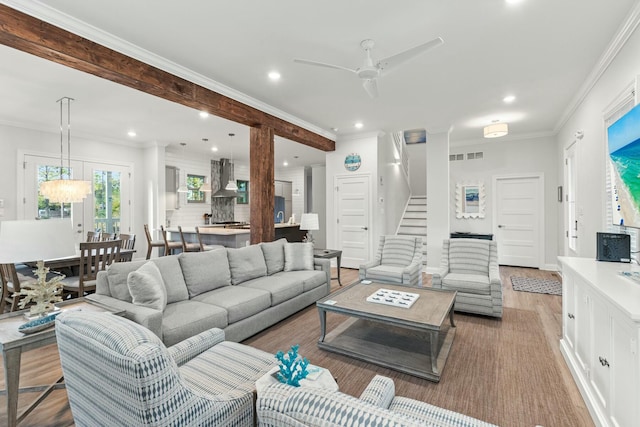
x,y
106,209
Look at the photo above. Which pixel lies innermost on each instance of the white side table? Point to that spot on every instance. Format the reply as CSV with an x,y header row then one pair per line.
x,y
324,380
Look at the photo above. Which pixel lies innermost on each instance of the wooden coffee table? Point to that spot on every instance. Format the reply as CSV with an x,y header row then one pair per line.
x,y
413,340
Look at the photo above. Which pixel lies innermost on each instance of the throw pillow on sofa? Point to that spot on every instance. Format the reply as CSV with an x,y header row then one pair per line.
x,y
298,256
147,287
246,263
205,271
274,255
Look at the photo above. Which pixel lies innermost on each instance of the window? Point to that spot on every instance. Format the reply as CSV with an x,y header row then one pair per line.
x,y
194,195
243,192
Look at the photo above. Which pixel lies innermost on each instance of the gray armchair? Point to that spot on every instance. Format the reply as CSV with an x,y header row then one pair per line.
x,y
118,373
470,266
398,261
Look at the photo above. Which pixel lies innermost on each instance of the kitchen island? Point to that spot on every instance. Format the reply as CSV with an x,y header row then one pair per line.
x,y
235,237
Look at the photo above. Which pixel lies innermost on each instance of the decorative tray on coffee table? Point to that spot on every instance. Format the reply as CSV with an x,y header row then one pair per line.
x,y
394,298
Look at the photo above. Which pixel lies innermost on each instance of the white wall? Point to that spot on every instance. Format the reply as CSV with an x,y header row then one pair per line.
x,y
367,147
393,187
417,168
319,202
505,157
437,164
591,150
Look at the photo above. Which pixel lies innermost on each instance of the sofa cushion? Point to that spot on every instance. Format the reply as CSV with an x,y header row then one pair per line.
x,y
147,287
298,256
282,287
246,263
205,271
239,301
467,283
184,319
386,273
274,255
398,250
310,279
170,270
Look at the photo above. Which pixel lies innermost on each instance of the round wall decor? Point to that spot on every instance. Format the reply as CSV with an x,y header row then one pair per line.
x,y
352,162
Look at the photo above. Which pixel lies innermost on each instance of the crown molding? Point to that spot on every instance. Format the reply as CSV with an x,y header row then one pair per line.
x,y
48,14
617,43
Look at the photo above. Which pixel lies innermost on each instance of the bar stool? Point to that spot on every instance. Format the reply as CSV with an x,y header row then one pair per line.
x,y
187,246
150,242
169,246
204,247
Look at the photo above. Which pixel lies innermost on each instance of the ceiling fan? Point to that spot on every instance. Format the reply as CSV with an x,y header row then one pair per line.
x,y
370,70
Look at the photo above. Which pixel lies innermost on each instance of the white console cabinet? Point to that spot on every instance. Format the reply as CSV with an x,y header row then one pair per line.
x,y
600,335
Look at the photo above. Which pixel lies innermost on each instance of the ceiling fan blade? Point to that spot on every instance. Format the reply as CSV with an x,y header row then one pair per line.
x,y
399,58
322,64
371,86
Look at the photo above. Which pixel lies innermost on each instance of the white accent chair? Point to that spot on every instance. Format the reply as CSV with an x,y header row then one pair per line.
x,y
470,266
398,261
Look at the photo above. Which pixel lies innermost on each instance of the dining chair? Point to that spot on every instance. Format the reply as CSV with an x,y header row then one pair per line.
x,y
188,246
169,246
150,242
10,280
93,236
204,247
128,240
94,257
107,236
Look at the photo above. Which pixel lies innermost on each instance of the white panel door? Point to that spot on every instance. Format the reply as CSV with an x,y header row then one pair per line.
x,y
352,216
519,210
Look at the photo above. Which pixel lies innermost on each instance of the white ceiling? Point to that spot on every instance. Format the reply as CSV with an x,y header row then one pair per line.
x,y
541,51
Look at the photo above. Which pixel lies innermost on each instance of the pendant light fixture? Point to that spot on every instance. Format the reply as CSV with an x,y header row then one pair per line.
x,y
65,190
231,185
183,187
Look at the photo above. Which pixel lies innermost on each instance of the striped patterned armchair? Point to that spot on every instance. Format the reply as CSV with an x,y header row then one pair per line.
x,y
280,405
470,266
118,373
398,261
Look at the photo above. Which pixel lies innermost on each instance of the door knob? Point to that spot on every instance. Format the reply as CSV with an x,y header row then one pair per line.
x,y
365,228
500,226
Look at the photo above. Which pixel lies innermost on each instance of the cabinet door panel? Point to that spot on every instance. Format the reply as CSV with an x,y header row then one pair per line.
x,y
601,356
624,374
583,325
569,311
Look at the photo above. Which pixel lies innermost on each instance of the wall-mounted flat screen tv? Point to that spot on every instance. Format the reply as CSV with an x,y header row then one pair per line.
x,y
623,138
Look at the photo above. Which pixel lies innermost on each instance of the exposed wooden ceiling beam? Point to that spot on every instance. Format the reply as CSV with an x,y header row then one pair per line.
x,y
32,35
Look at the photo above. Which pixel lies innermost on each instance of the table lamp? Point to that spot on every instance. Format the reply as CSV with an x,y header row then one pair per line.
x,y
309,222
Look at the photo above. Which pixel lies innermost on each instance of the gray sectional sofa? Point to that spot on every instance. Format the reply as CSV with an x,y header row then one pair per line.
x,y
241,291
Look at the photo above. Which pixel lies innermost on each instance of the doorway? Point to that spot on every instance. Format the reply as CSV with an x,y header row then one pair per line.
x,y
353,204
107,208
519,215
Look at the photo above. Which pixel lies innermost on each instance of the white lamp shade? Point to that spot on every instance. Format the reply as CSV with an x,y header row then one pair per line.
x,y
231,186
309,221
34,240
496,130
65,190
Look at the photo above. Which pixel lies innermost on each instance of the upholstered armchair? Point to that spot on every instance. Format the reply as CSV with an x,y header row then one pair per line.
x,y
281,405
118,373
398,261
470,266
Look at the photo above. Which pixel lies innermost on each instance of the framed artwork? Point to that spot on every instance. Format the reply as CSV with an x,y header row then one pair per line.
x,y
415,136
470,200
243,192
352,162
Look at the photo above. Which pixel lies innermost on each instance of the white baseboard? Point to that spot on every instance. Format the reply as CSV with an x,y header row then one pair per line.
x,y
550,267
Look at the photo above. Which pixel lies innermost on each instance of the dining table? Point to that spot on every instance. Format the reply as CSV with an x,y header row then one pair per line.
x,y
71,263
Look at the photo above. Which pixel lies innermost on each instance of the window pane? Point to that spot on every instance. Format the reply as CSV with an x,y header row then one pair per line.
x,y
194,195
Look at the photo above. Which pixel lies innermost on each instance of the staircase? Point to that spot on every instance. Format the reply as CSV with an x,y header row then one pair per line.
x,y
414,222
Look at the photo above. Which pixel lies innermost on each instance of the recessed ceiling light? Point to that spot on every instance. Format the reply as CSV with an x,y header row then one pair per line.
x,y
513,1
214,148
285,163
509,99
132,133
204,114
359,125
274,75
334,129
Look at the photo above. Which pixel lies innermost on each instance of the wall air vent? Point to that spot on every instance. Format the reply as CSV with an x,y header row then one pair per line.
x,y
475,156
456,157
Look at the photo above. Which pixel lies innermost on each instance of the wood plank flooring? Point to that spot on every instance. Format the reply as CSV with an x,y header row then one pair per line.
x,y
509,372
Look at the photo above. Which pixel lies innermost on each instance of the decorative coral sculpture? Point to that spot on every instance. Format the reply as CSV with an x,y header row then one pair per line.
x,y
293,368
41,292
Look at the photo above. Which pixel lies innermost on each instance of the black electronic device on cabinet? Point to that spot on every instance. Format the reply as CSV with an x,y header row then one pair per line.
x,y
613,247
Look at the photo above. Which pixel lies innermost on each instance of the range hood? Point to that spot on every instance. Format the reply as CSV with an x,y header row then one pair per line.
x,y
226,174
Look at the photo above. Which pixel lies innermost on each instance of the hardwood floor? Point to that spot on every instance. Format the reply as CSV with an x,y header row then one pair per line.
x,y
509,372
